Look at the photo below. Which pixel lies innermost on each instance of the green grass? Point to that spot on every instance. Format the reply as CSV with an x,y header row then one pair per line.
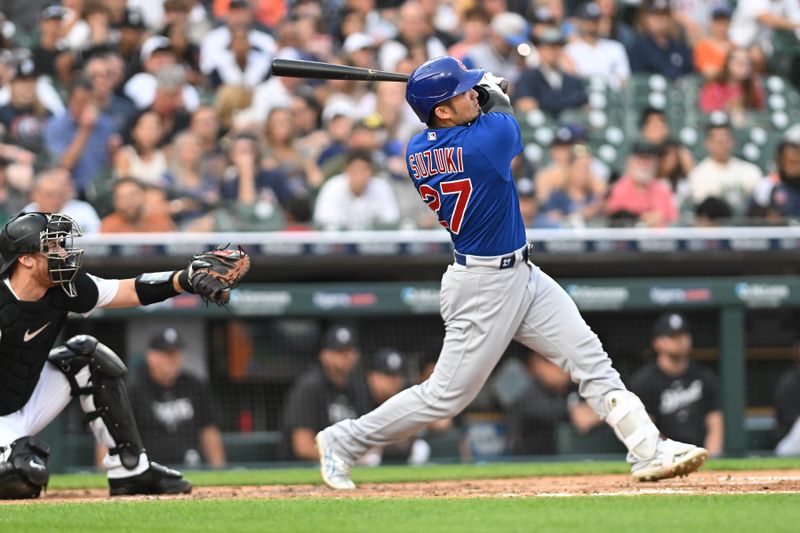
x,y
396,474
615,514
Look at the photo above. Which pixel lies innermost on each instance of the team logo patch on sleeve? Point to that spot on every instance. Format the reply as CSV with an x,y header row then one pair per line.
x,y
431,135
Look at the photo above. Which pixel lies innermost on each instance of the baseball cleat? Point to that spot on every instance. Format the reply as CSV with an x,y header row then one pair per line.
x,y
335,471
672,459
155,480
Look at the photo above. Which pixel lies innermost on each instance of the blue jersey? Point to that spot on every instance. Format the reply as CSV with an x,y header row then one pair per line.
x,y
463,173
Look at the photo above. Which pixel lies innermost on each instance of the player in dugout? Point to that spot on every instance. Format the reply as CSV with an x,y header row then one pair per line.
x,y
42,281
493,293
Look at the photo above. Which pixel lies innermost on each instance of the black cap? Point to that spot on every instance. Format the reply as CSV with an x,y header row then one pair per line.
x,y
590,11
389,361
551,36
166,340
670,324
645,148
52,12
339,338
26,69
133,19
721,12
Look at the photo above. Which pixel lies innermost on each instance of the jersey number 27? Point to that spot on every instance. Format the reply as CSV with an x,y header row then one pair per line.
x,y
462,189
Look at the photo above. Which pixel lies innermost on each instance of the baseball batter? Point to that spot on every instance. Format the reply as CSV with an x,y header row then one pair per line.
x,y
41,281
492,293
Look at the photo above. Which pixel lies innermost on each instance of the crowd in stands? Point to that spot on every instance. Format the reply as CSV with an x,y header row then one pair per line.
x,y
142,115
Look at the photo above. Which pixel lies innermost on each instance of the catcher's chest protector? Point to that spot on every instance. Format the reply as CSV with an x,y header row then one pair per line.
x,y
27,332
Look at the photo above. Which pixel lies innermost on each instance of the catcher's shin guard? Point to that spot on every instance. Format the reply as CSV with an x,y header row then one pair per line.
x,y
107,391
24,473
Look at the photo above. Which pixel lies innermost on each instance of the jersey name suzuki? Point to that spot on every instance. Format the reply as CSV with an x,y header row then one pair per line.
x,y
463,173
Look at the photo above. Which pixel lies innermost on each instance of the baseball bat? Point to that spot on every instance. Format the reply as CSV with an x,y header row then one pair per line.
x,y
298,68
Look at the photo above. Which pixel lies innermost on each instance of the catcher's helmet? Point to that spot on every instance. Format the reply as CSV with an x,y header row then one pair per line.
x,y
49,234
438,80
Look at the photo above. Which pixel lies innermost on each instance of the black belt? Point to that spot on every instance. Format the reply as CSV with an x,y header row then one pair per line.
x,y
506,261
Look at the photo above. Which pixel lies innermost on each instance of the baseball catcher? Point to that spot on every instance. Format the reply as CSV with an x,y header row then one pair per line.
x,y
41,281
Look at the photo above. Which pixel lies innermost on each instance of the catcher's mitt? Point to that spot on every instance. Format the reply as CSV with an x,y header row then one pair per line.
x,y
213,274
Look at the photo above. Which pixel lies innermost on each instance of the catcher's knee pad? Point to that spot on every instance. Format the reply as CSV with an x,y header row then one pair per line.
x,y
631,423
107,390
24,473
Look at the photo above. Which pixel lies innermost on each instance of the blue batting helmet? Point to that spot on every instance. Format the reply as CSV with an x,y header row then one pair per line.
x,y
438,80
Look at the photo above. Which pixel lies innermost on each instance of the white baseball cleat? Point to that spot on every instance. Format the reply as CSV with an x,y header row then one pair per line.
x,y
671,459
333,468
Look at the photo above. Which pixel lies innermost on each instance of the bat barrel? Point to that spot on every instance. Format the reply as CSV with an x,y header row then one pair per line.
x,y
296,68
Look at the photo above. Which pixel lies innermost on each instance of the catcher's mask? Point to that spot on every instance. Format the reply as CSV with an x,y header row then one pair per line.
x,y
49,234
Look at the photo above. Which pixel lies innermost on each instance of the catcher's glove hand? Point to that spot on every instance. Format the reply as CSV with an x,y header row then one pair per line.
x,y
213,274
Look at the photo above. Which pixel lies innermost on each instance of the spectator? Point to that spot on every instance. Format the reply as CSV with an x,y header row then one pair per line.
x,y
385,378
131,212
359,49
240,63
160,71
297,214
187,53
175,412
282,156
324,395
356,199
50,54
710,51
736,90
548,87
656,50
192,192
53,192
681,396
253,196
131,34
612,25
721,175
499,54
639,194
575,203
267,13
205,126
274,93
784,198
787,165
81,139
97,70
475,25
753,23
143,158
712,211
190,14
528,204
13,190
23,118
170,103
787,407
692,17
597,57
85,24
548,400
216,41
673,170
561,154
654,129
415,38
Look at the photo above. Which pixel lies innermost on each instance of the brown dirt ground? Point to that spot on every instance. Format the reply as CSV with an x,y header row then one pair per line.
x,y
720,482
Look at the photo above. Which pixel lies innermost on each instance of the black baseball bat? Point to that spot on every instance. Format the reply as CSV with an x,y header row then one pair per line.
x,y
298,68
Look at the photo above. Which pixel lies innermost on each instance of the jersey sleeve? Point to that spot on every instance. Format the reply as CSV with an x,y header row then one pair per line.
x,y
498,137
647,390
301,410
93,292
711,392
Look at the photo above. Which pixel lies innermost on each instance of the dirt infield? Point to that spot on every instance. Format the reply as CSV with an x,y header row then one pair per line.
x,y
719,482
